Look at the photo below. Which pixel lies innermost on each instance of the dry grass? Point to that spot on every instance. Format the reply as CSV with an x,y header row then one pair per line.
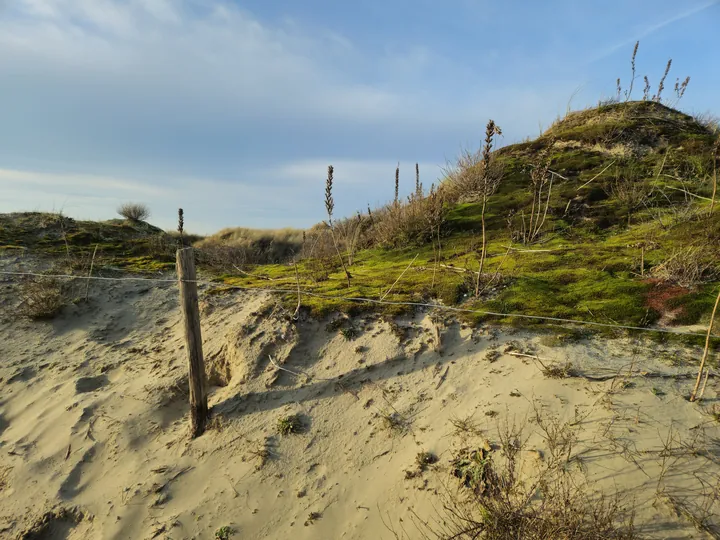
x,y
241,246
134,211
687,267
473,175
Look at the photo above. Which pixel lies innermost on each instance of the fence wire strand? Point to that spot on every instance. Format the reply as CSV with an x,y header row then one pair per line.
x,y
370,301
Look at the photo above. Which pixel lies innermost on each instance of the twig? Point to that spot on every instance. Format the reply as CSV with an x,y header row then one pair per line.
x,y
702,390
456,269
598,174
252,275
92,263
172,478
557,174
686,192
398,279
297,279
530,250
707,347
442,378
288,370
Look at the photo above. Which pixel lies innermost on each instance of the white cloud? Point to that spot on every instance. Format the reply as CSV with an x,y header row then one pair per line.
x,y
53,181
109,83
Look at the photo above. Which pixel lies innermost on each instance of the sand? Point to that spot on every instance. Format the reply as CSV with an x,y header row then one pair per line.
x,y
94,419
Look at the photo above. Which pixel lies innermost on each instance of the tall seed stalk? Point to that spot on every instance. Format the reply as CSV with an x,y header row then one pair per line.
x,y
397,185
330,206
661,86
632,63
716,157
487,183
418,185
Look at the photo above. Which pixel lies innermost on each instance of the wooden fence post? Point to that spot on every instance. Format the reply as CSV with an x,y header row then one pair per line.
x,y
193,340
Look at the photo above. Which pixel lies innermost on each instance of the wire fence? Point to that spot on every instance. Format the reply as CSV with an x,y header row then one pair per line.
x,y
428,305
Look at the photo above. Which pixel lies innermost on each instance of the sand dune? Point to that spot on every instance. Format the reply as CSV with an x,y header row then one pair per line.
x,y
94,440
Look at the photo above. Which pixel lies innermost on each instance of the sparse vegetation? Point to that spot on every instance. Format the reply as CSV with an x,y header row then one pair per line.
x,y
393,421
464,426
553,503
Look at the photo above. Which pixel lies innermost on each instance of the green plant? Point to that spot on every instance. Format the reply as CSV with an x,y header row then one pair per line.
x,y
349,333
423,459
290,425
224,533
506,504
473,468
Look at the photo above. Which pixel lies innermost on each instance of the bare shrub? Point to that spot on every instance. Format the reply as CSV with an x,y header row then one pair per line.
x,y
474,175
507,502
134,211
41,298
687,267
414,222
540,179
350,234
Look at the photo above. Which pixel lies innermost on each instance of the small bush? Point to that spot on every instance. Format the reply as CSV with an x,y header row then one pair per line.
x,y
290,425
41,298
134,211
224,533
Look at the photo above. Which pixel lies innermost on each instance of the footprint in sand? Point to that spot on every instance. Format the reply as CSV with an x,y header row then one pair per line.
x,y
60,524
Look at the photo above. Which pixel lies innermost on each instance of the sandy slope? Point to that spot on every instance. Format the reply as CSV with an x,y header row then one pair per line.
x,y
93,405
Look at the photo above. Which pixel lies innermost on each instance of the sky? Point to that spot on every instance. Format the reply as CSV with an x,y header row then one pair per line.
x,y
233,109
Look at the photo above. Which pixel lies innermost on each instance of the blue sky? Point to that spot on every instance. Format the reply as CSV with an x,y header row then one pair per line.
x,y
234,109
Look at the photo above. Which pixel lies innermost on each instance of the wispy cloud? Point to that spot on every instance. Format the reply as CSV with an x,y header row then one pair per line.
x,y
652,29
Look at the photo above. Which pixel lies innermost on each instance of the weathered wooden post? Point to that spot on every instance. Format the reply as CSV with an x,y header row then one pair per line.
x,y
193,340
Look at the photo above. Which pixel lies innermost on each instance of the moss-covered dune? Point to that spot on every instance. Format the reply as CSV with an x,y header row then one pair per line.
x,y
622,174
136,246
